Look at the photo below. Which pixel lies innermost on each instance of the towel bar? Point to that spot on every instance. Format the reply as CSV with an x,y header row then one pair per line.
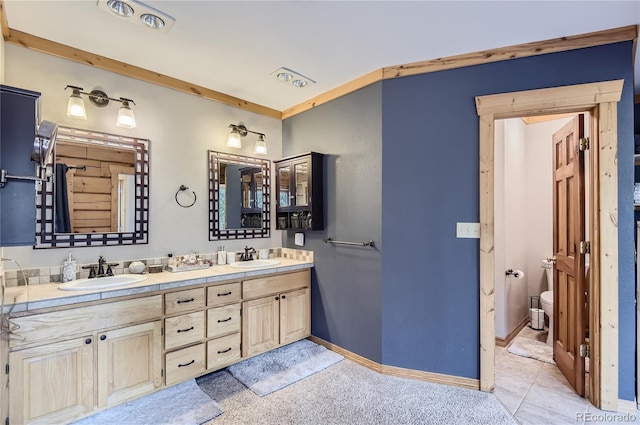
x,y
330,240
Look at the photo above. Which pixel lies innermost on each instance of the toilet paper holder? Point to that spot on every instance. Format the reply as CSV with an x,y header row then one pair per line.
x,y
514,273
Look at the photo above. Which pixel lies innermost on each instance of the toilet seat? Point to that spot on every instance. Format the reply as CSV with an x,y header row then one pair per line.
x,y
547,297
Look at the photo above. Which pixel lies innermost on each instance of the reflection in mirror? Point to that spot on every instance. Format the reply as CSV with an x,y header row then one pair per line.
x,y
238,196
99,194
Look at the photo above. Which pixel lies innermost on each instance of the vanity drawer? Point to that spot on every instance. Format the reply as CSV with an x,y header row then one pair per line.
x,y
223,320
255,288
63,324
223,351
184,301
183,330
223,294
185,363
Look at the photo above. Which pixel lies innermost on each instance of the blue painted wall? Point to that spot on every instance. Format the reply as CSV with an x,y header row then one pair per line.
x,y
403,162
430,182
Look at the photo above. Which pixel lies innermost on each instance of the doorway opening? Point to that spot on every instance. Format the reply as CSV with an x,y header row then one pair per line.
x,y
600,100
539,208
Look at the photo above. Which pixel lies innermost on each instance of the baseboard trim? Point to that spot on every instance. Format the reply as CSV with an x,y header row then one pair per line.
x,y
627,406
504,342
356,358
438,378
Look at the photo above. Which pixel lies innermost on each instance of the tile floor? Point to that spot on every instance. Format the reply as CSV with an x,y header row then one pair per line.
x,y
537,393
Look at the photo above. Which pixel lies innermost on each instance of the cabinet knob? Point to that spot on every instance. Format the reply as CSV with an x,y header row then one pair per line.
x,y
277,298
284,296
87,341
103,337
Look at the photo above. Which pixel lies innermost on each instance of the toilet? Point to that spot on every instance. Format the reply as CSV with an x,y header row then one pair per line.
x,y
546,298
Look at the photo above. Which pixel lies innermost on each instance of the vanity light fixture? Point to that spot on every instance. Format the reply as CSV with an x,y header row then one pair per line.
x,y
136,12
239,131
76,109
285,75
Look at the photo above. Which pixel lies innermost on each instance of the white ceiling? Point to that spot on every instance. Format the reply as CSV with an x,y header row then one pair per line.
x,y
233,46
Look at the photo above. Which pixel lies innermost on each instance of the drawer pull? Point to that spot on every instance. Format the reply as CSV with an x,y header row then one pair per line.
x,y
187,364
224,351
87,341
224,320
225,294
185,330
186,301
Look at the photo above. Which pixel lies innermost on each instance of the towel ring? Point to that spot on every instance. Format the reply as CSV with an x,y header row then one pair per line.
x,y
181,189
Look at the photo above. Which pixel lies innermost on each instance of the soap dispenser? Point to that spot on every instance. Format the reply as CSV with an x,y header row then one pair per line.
x,y
69,268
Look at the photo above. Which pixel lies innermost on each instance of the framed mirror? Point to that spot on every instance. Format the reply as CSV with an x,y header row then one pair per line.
x,y
239,196
98,192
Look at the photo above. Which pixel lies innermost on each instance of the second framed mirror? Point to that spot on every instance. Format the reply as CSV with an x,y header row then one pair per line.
x,y
239,196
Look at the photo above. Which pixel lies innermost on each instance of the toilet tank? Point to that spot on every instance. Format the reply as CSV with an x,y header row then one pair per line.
x,y
547,265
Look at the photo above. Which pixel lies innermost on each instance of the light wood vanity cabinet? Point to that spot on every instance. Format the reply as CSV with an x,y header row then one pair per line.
x,y
68,363
279,315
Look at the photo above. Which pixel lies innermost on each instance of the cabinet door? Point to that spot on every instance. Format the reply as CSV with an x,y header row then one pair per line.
x,y
302,182
283,185
18,117
52,383
128,363
295,317
260,325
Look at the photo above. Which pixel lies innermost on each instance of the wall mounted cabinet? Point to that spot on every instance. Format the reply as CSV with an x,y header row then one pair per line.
x,y
299,192
19,119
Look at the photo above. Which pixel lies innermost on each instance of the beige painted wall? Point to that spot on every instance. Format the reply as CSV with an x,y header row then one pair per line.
x,y
181,128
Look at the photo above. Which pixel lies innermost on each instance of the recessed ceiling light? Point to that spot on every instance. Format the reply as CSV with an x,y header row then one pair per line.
x,y
137,13
299,83
120,8
152,21
285,75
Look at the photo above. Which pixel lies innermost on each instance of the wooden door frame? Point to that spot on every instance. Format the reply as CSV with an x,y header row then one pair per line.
x,y
600,100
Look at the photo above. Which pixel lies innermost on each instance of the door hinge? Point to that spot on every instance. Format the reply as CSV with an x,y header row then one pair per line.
x,y
585,247
161,372
585,351
6,369
161,331
584,144
6,421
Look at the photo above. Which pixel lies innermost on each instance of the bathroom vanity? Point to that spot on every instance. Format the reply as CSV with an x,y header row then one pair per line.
x,y
72,354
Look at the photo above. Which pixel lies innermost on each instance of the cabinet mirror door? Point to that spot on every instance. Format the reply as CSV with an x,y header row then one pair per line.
x,y
285,194
301,175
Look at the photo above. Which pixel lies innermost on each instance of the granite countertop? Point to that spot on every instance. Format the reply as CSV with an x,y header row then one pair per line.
x,y
34,297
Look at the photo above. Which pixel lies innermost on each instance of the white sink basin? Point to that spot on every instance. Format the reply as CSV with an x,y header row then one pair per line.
x,y
102,282
254,263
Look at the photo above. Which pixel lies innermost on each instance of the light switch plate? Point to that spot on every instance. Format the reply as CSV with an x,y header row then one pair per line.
x,y
468,230
299,239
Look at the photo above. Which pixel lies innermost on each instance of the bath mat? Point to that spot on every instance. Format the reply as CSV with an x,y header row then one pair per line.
x,y
531,348
283,366
184,404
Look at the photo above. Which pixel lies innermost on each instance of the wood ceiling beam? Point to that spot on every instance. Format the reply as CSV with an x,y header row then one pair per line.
x,y
87,58
553,45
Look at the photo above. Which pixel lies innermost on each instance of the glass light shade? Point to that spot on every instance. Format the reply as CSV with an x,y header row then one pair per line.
x,y
260,146
233,141
152,21
75,107
125,119
120,8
